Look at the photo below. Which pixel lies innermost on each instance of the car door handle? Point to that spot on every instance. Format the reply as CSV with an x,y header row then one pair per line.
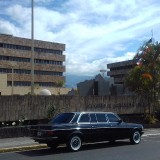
x,y
93,127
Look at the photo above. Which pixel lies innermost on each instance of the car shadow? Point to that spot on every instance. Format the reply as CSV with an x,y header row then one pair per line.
x,y
63,149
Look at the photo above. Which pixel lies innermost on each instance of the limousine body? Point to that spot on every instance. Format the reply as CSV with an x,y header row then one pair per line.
x,y
77,127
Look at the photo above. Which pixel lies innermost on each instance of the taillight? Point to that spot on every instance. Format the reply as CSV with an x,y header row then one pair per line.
x,y
50,132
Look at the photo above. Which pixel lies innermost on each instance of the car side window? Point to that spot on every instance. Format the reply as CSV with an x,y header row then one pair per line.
x,y
112,118
101,117
93,118
84,118
75,118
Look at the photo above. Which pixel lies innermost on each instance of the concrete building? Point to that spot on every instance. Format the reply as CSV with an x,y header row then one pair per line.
x,y
110,86
15,65
119,70
97,86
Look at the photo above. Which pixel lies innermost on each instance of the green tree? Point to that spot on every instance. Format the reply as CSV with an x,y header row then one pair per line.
x,y
144,78
138,81
52,111
59,85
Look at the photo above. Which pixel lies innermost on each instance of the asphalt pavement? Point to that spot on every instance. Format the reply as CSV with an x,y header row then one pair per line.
x,y
148,149
26,143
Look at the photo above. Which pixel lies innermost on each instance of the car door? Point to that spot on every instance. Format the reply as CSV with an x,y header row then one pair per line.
x,y
85,127
102,127
94,127
118,129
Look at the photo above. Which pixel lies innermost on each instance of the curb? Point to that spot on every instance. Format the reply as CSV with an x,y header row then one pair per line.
x,y
23,148
148,126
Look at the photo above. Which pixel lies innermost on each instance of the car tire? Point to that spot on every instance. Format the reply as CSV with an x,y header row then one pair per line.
x,y
52,145
74,143
135,137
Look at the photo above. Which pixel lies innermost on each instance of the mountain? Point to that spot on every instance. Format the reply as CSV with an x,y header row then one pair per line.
x,y
72,80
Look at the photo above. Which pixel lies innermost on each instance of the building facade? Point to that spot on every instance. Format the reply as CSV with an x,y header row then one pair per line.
x,y
15,63
119,70
98,86
113,86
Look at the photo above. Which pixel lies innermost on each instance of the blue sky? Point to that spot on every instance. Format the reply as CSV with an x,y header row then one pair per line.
x,y
96,32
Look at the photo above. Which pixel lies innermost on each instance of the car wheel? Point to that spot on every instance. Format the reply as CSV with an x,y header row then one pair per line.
x,y
135,137
52,145
74,143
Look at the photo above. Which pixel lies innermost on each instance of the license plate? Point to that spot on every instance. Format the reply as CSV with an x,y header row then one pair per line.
x,y
39,134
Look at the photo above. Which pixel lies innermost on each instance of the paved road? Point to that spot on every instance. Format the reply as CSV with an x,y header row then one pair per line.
x,y
148,149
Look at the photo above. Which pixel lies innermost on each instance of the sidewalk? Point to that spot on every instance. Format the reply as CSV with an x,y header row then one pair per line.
x,y
16,142
19,144
25,143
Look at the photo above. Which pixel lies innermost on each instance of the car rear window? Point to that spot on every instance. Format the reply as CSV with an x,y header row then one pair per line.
x,y
62,118
112,118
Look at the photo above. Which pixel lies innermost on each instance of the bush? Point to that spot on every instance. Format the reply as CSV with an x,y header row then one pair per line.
x,y
151,119
52,111
157,114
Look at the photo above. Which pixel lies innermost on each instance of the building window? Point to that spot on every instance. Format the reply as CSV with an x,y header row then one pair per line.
x,y
28,48
23,83
39,61
36,72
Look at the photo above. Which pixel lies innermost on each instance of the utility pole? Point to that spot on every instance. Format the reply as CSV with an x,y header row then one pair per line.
x,y
32,49
12,91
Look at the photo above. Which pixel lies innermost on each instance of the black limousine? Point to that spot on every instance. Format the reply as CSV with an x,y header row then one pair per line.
x,y
77,127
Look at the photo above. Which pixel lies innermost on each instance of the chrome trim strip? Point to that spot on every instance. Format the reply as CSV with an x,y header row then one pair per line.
x,y
42,138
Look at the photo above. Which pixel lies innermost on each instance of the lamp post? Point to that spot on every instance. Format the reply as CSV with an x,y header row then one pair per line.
x,y
13,65
32,48
12,92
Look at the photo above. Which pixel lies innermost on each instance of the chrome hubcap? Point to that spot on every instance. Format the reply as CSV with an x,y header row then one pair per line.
x,y
75,143
136,137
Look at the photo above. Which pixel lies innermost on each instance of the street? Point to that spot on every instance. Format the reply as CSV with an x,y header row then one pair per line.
x,y
148,149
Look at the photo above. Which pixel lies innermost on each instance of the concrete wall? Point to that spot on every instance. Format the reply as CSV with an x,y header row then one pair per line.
x,y
13,108
3,83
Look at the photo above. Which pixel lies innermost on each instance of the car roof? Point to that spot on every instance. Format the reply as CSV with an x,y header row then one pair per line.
x,y
91,112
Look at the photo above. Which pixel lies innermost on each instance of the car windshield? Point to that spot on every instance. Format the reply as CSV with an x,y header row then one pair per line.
x,y
62,118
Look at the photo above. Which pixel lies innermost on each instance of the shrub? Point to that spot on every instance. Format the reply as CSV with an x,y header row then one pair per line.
x,y
52,111
150,119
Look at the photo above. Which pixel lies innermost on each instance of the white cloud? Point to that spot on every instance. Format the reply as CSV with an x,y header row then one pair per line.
x,y
19,14
43,1
7,27
96,32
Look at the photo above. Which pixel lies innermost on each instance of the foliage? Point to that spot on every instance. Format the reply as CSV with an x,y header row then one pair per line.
x,y
151,119
137,82
148,57
157,113
36,86
146,74
52,111
144,78
60,83
76,92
